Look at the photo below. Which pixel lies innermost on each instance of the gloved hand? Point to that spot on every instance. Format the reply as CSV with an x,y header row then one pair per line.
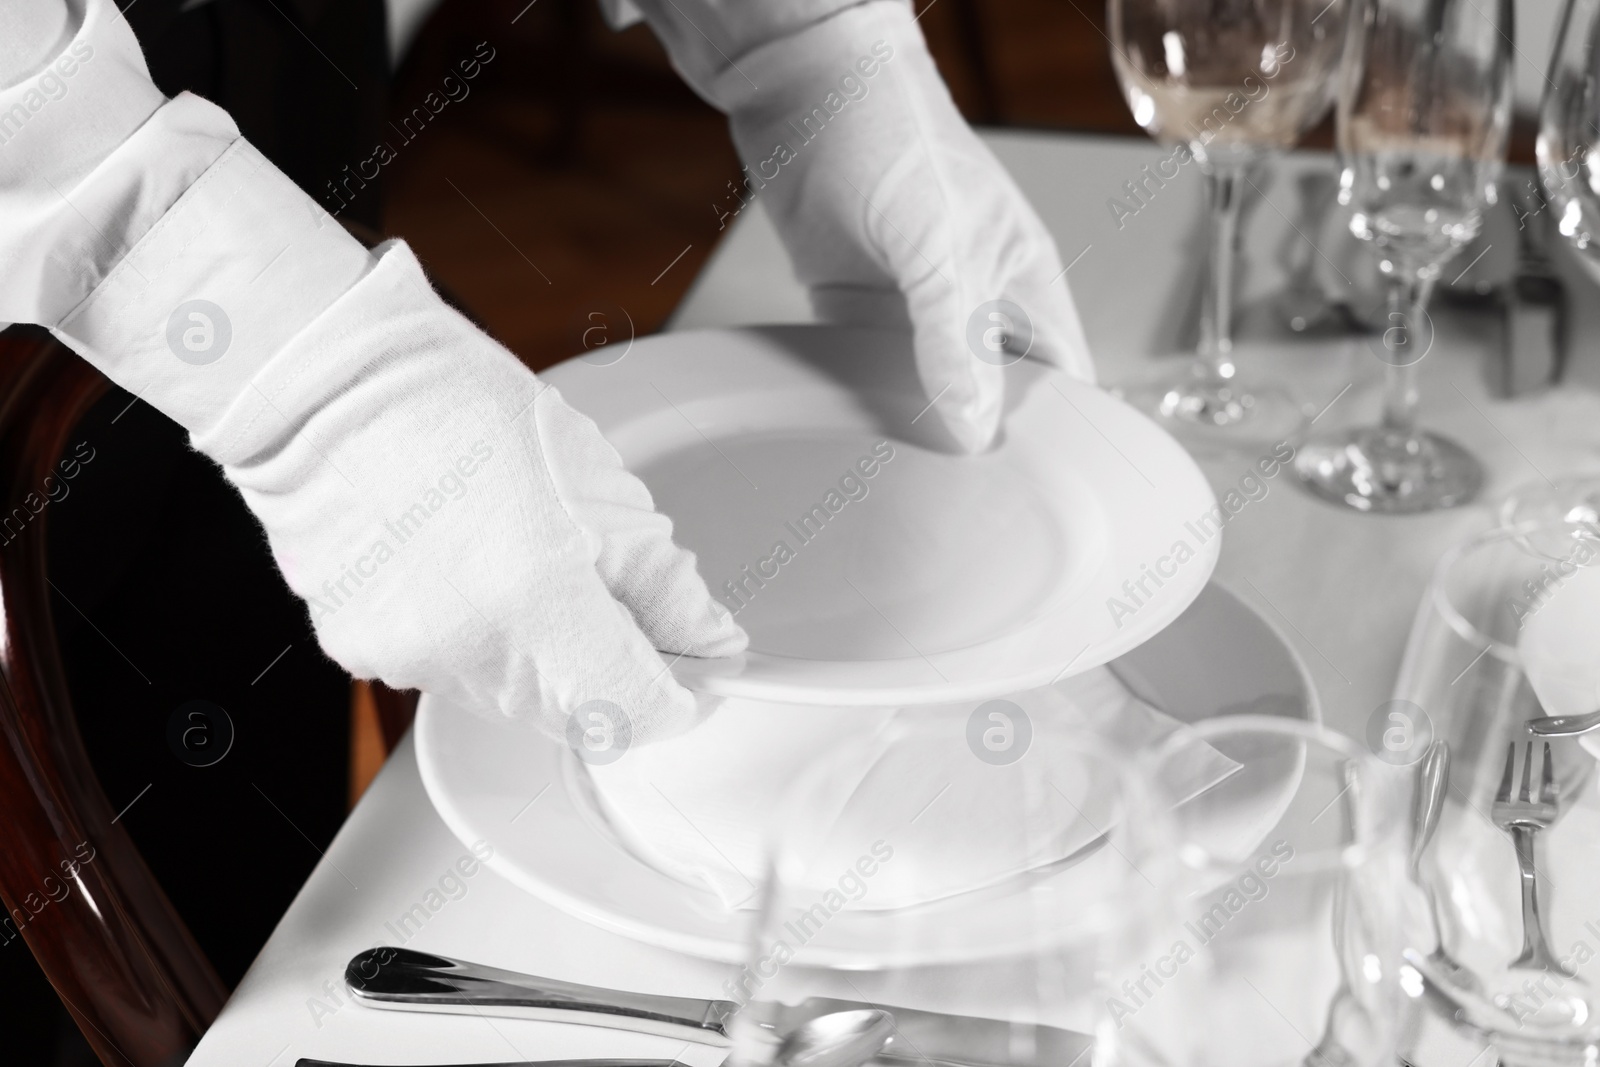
x,y
455,526
452,523
887,201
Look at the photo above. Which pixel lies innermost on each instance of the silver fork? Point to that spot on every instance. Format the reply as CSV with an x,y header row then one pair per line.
x,y
1521,814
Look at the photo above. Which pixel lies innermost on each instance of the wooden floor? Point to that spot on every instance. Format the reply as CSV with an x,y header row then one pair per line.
x,y
580,172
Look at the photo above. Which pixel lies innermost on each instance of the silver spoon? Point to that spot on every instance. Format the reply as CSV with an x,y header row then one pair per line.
x,y
1564,725
838,1039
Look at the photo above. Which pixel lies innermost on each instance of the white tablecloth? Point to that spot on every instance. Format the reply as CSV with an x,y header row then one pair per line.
x,y
1341,586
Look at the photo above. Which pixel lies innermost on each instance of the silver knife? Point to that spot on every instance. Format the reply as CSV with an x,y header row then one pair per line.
x,y
405,980
307,1062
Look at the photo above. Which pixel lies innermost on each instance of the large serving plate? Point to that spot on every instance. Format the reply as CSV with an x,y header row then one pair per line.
x,y
525,794
872,565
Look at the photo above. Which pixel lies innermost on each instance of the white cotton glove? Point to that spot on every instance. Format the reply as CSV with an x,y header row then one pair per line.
x,y
887,201
455,526
452,523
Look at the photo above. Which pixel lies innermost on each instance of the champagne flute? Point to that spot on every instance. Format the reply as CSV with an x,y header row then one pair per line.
x,y
1569,130
1424,111
1225,82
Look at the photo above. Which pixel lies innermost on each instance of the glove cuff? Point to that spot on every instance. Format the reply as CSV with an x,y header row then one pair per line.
x,y
332,359
223,280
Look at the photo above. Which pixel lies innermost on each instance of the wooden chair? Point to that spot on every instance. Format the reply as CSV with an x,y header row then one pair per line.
x,y
73,884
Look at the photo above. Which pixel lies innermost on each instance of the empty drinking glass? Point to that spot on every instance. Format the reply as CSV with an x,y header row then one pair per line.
x,y
1558,514
1286,947
971,871
1423,116
1509,873
1569,129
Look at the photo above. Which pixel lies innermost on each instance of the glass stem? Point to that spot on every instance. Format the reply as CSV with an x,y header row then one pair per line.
x,y
1223,186
1408,297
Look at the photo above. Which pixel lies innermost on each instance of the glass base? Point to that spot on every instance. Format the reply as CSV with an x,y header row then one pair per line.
x,y
1204,402
1201,409
1383,471
1515,1050
1459,1018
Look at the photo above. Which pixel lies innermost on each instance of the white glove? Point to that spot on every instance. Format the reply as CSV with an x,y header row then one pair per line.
x,y
453,524
888,203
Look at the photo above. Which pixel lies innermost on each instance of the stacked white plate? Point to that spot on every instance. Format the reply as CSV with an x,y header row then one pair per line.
x,y
869,564
874,570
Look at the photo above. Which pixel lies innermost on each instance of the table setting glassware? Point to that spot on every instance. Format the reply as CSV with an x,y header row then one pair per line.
x,y
1508,875
1566,511
1290,877
1423,120
1224,85
1558,522
1024,947
1569,130
1192,927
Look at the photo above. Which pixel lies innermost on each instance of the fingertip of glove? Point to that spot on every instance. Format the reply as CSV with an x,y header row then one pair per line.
x,y
971,437
725,637
671,710
971,412
967,396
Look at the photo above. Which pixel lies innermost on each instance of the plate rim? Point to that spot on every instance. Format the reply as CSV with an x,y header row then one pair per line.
x,y
730,947
729,678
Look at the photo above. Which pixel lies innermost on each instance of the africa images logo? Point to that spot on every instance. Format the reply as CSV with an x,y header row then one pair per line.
x,y
199,332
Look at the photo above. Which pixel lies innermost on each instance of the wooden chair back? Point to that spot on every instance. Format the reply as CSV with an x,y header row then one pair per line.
x,y
74,886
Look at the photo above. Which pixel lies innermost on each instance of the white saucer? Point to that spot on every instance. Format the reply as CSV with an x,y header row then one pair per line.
x,y
869,564
507,785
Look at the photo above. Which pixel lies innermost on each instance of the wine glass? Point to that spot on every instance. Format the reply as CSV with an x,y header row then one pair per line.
x,y
1423,116
1224,83
1561,515
973,871
1286,949
1569,129
1475,670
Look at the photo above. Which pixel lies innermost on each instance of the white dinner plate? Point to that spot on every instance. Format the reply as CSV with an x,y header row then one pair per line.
x,y
508,785
869,563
